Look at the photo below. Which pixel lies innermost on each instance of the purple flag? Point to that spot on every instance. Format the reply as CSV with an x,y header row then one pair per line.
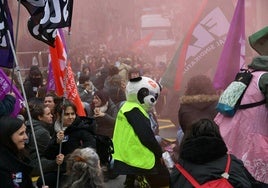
x,y
233,53
6,55
5,87
50,78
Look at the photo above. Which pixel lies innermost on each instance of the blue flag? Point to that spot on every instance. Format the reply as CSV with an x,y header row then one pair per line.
x,y
6,55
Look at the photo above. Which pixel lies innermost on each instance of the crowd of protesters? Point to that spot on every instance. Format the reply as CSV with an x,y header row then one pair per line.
x,y
101,78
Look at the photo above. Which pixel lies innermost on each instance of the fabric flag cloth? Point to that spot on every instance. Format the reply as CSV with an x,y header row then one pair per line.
x,y
58,14
36,9
63,76
233,54
50,79
47,36
201,47
5,87
6,55
139,45
47,16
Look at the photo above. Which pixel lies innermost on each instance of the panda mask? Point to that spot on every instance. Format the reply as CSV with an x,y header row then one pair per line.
x,y
144,91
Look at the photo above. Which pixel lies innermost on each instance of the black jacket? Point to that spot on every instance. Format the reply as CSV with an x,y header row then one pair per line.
x,y
77,135
43,136
205,159
13,172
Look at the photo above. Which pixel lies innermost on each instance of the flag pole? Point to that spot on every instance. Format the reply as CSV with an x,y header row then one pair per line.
x,y
62,115
60,146
16,39
26,104
17,26
16,43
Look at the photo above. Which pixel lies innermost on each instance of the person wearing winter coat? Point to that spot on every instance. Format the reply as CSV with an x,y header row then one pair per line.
x,y
199,101
14,164
7,104
104,112
203,154
246,133
32,82
42,121
72,132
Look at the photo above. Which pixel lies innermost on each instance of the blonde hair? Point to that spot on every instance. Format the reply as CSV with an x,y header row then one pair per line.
x,y
83,169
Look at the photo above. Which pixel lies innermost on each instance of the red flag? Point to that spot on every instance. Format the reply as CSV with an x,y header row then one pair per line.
x,y
71,91
63,75
59,63
139,45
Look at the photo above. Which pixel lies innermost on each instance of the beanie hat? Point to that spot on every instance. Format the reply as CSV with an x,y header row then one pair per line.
x,y
103,96
35,71
83,78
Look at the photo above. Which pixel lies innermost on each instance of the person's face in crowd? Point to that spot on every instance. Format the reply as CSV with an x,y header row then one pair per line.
x,y
134,75
35,79
88,86
44,81
20,137
86,71
69,116
49,102
47,117
96,101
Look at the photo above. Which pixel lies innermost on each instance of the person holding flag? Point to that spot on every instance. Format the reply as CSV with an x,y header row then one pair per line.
x,y
7,104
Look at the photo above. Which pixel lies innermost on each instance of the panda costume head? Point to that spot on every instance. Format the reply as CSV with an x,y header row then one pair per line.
x,y
144,91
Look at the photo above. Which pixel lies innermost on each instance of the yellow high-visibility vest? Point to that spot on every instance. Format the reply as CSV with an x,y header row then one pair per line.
x,y
127,146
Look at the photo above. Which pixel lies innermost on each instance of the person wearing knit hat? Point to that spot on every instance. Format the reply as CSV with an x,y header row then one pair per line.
x,y
32,82
104,111
103,96
14,166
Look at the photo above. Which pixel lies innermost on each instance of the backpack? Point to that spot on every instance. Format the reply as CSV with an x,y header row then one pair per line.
x,y
218,183
229,101
104,144
104,148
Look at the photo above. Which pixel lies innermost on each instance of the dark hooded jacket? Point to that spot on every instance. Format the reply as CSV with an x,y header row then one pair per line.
x,y
7,105
77,135
11,166
205,159
43,136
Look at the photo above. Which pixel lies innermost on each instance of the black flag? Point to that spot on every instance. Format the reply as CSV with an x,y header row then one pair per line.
x,y
57,14
47,16
34,7
48,36
6,55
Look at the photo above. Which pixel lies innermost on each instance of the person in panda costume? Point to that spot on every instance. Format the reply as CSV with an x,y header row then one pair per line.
x,y
137,154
